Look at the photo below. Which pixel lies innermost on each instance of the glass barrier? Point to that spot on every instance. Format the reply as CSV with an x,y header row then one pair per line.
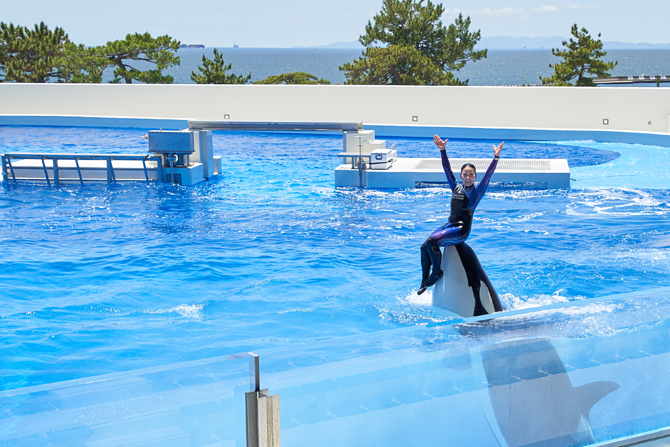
x,y
568,375
187,404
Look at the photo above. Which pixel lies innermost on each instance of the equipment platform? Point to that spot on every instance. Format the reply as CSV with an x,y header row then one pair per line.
x,y
423,172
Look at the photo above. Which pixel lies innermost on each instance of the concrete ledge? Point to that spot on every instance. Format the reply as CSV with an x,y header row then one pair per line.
x,y
381,130
597,113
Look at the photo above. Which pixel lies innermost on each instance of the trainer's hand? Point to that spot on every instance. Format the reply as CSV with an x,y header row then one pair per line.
x,y
497,149
439,143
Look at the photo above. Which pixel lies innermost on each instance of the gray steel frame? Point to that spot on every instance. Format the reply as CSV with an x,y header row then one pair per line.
x,y
275,125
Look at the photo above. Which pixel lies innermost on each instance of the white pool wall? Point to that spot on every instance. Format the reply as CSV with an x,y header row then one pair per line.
x,y
546,113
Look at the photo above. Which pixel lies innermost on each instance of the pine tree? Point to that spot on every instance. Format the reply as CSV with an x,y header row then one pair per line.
x,y
82,64
408,44
31,55
214,72
42,55
581,57
160,51
298,77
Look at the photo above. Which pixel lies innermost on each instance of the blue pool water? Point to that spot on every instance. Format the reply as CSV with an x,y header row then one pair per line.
x,y
105,278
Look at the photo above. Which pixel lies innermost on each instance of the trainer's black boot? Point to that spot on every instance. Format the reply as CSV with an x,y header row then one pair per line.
x,y
425,268
436,259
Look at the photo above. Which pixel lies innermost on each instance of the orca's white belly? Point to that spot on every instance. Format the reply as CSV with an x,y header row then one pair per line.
x,y
452,291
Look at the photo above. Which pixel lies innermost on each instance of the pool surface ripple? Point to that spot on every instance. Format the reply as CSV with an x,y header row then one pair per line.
x,y
105,278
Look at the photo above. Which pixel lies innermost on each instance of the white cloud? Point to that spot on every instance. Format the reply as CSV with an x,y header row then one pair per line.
x,y
497,12
546,8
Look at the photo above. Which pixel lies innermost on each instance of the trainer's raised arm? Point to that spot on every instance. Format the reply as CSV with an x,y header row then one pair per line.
x,y
439,143
496,150
445,161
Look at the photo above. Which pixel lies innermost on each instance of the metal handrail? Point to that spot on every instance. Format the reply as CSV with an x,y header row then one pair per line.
x,y
66,156
55,157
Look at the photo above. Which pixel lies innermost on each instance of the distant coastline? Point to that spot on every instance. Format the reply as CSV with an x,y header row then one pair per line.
x,y
544,43
521,43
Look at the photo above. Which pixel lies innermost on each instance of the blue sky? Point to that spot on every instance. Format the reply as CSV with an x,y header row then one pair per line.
x,y
272,23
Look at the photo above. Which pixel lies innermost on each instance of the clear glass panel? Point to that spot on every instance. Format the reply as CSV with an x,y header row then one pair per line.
x,y
570,375
188,404
566,375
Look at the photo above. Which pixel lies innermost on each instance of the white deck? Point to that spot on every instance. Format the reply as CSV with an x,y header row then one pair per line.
x,y
413,172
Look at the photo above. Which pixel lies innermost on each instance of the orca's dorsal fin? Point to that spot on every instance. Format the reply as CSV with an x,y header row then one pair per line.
x,y
590,394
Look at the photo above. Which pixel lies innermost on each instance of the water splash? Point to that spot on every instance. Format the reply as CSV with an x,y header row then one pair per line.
x,y
191,311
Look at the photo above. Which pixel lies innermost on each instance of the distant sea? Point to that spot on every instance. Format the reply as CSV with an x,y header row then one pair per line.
x,y
501,67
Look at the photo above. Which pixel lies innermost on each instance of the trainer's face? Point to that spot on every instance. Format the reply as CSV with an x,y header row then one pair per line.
x,y
468,176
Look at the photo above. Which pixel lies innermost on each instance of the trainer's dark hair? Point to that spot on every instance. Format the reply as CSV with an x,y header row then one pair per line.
x,y
469,165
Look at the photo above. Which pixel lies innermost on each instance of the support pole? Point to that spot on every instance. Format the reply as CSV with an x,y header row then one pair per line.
x,y
46,174
76,162
361,164
263,421
11,168
171,167
111,169
255,366
5,161
54,163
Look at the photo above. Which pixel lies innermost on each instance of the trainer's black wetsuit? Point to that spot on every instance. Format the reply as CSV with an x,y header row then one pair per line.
x,y
464,200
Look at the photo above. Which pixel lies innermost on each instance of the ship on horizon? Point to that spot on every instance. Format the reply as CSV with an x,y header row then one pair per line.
x,y
197,45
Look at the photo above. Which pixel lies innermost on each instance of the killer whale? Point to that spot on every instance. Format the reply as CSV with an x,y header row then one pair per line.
x,y
530,399
455,290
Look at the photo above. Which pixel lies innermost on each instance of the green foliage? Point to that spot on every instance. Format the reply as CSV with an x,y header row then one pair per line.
x,y
87,64
82,64
31,55
581,57
408,45
40,55
397,65
214,72
298,77
140,47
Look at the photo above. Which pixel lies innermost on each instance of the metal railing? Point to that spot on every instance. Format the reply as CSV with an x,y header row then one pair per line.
x,y
50,162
